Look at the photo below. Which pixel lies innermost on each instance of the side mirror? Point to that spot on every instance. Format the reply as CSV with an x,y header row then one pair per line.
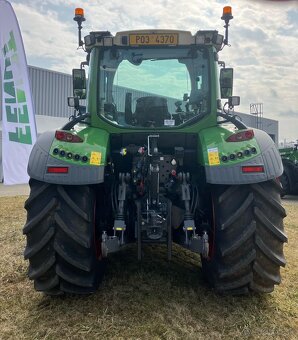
x,y
73,102
79,83
233,101
226,82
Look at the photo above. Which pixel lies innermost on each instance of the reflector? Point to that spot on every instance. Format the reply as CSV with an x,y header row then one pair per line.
x,y
57,170
252,168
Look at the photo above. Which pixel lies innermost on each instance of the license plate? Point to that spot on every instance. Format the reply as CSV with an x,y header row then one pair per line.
x,y
153,39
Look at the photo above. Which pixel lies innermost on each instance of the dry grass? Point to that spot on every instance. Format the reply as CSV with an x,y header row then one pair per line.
x,y
154,300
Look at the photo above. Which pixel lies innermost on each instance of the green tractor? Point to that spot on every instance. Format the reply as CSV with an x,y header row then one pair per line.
x,y
152,159
289,178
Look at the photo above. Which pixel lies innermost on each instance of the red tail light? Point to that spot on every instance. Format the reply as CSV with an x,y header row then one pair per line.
x,y
241,136
67,137
252,168
57,170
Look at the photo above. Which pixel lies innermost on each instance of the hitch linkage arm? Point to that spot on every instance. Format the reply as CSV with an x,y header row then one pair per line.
x,y
189,223
119,223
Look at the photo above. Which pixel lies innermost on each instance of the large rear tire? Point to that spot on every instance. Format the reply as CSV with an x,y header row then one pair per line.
x,y
248,235
62,241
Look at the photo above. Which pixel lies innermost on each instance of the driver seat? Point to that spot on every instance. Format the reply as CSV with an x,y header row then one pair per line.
x,y
151,110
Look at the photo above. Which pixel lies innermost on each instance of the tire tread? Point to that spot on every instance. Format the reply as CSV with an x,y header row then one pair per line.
x,y
249,237
60,239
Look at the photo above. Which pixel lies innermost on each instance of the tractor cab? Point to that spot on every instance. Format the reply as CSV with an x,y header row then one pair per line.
x,y
149,79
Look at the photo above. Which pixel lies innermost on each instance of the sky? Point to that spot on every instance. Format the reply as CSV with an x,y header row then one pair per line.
x,y
263,36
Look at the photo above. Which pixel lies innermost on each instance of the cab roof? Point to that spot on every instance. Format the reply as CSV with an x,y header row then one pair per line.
x,y
153,38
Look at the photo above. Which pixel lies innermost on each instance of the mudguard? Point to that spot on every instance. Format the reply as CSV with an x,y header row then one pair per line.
x,y
46,154
217,171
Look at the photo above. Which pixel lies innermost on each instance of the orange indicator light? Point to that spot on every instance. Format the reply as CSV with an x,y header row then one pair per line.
x,y
79,12
227,10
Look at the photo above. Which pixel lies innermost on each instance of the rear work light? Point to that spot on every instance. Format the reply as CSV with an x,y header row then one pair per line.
x,y
57,170
241,136
65,136
252,168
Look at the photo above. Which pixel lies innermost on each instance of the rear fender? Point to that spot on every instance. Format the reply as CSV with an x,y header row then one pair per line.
x,y
262,152
91,171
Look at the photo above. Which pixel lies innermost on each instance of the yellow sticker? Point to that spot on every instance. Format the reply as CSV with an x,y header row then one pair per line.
x,y
95,158
213,156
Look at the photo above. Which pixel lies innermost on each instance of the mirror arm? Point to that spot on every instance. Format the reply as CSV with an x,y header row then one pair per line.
x,y
222,63
239,125
83,64
72,123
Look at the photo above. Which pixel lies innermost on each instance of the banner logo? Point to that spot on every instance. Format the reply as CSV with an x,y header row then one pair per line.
x,y
14,96
18,118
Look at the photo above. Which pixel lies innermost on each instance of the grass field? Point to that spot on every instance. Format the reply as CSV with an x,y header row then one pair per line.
x,y
154,300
